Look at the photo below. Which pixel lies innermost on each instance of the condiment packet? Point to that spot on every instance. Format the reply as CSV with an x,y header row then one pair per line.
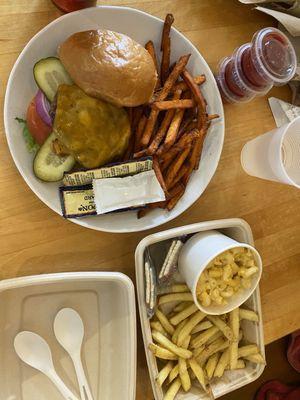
x,y
282,111
169,266
132,191
150,285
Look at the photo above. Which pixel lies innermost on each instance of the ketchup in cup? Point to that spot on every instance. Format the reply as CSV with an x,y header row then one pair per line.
x,y
255,67
73,5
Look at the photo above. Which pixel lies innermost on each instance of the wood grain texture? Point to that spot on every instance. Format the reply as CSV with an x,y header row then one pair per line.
x,y
34,240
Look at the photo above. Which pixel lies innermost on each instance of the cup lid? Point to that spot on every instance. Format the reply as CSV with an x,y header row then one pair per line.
x,y
275,54
227,94
237,56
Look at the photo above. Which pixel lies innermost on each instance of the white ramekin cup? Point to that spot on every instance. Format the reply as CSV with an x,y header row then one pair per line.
x,y
197,253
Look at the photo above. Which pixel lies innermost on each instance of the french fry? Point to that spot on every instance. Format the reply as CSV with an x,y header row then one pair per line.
x,y
171,135
172,104
164,322
199,373
174,373
184,375
149,46
203,337
175,166
162,353
198,80
179,288
139,132
166,47
222,363
172,202
218,345
217,321
173,389
158,327
248,315
256,358
247,350
240,364
202,327
198,351
166,343
234,323
176,319
177,330
159,175
168,298
216,336
188,327
211,365
164,373
182,306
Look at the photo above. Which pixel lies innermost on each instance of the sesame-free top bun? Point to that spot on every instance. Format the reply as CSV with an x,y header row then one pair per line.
x,y
110,66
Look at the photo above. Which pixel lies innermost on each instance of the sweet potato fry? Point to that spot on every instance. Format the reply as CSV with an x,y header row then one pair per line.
x,y
139,132
166,47
198,80
202,120
172,202
176,189
169,104
172,78
149,46
149,127
159,176
137,113
210,117
159,136
178,177
172,132
176,165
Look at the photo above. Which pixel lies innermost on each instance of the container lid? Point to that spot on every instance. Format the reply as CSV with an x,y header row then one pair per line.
x,y
275,53
237,56
226,93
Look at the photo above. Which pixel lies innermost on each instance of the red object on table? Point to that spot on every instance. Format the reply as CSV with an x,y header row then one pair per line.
x,y
73,5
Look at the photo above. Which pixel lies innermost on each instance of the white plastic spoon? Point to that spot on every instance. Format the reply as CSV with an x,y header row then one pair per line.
x,y
69,331
34,351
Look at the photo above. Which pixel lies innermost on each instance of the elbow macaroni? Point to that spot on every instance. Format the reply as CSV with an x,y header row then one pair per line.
x,y
226,275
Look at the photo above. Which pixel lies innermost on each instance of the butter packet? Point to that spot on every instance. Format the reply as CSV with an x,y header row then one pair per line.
x,y
77,201
114,170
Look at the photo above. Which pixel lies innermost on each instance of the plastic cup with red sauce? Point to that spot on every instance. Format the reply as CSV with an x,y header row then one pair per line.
x,y
255,67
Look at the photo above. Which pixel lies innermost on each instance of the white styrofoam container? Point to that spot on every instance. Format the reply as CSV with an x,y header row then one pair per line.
x,y
239,230
106,303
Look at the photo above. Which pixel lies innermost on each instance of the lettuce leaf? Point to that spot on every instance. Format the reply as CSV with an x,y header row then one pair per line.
x,y
31,144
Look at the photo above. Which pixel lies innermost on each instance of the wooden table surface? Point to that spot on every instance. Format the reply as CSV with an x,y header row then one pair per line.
x,y
35,240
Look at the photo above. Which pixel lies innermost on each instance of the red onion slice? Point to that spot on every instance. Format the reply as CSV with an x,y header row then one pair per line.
x,y
43,107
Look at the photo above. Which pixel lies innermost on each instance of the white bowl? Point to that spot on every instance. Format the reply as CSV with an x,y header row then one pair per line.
x,y
140,26
198,252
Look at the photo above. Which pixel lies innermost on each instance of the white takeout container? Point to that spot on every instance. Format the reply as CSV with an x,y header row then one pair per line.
x,y
140,26
106,303
198,252
240,231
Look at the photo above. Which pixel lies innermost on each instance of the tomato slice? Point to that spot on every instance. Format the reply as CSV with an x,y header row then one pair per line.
x,y
37,127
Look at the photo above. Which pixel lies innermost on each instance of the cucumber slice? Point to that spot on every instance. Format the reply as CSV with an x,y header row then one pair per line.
x,y
49,73
48,166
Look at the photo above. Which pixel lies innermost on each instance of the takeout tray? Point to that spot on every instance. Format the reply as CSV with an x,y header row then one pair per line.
x,y
239,230
106,303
